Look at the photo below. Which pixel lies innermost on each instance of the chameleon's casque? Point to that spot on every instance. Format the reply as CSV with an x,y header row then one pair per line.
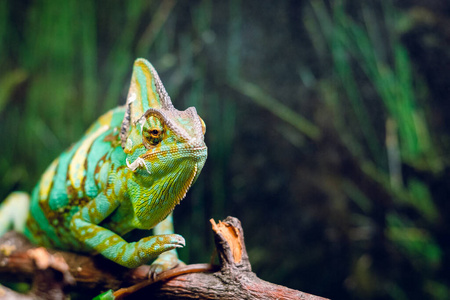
x,y
131,168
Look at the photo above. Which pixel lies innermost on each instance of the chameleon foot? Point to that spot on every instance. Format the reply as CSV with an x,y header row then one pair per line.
x,y
165,261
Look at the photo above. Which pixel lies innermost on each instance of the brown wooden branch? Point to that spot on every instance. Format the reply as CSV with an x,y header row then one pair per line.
x,y
232,280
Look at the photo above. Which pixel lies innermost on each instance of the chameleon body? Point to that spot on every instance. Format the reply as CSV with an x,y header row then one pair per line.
x,y
129,171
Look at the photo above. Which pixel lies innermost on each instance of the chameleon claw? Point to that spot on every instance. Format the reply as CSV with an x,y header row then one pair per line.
x,y
164,262
178,241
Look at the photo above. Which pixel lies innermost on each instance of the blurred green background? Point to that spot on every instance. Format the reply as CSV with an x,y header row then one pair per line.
x,y
327,124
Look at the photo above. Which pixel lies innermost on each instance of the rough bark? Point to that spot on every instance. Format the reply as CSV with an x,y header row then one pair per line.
x,y
55,270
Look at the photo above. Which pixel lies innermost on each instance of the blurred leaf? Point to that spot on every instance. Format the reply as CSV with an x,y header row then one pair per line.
x,y
437,290
263,99
421,199
415,242
8,83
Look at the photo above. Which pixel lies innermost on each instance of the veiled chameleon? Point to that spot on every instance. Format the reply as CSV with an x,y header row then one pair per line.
x,y
131,168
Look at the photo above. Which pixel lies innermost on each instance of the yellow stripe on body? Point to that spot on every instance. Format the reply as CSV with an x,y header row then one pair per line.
x,y
136,108
47,180
77,170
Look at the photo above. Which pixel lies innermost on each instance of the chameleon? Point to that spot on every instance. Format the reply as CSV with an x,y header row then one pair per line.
x,y
129,171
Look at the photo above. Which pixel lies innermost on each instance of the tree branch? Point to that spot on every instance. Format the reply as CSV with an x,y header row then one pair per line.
x,y
232,280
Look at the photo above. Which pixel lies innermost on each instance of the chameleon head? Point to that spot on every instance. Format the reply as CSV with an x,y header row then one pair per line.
x,y
164,146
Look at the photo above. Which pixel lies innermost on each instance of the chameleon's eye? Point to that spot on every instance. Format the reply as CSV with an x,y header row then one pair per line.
x,y
152,131
203,126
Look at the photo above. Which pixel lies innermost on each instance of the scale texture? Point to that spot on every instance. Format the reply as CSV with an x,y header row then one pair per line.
x,y
129,171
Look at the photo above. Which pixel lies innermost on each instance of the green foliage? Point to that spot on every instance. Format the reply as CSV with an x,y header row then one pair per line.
x,y
373,69
108,295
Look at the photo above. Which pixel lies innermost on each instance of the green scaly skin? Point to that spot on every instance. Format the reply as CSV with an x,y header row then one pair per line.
x,y
129,171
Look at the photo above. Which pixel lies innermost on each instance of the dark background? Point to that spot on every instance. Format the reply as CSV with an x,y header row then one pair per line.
x,y
327,124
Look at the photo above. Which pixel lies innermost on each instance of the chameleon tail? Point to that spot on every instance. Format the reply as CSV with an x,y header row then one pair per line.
x,y
14,212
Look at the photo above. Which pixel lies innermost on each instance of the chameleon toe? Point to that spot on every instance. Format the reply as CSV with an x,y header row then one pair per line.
x,y
178,241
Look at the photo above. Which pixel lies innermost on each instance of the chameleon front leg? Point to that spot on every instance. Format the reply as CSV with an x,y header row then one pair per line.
x,y
84,226
168,259
14,212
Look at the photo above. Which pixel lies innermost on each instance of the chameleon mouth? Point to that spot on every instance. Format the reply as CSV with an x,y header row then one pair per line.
x,y
185,150
141,160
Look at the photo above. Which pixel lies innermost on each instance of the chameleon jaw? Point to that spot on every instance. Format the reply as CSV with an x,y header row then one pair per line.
x,y
187,186
165,205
